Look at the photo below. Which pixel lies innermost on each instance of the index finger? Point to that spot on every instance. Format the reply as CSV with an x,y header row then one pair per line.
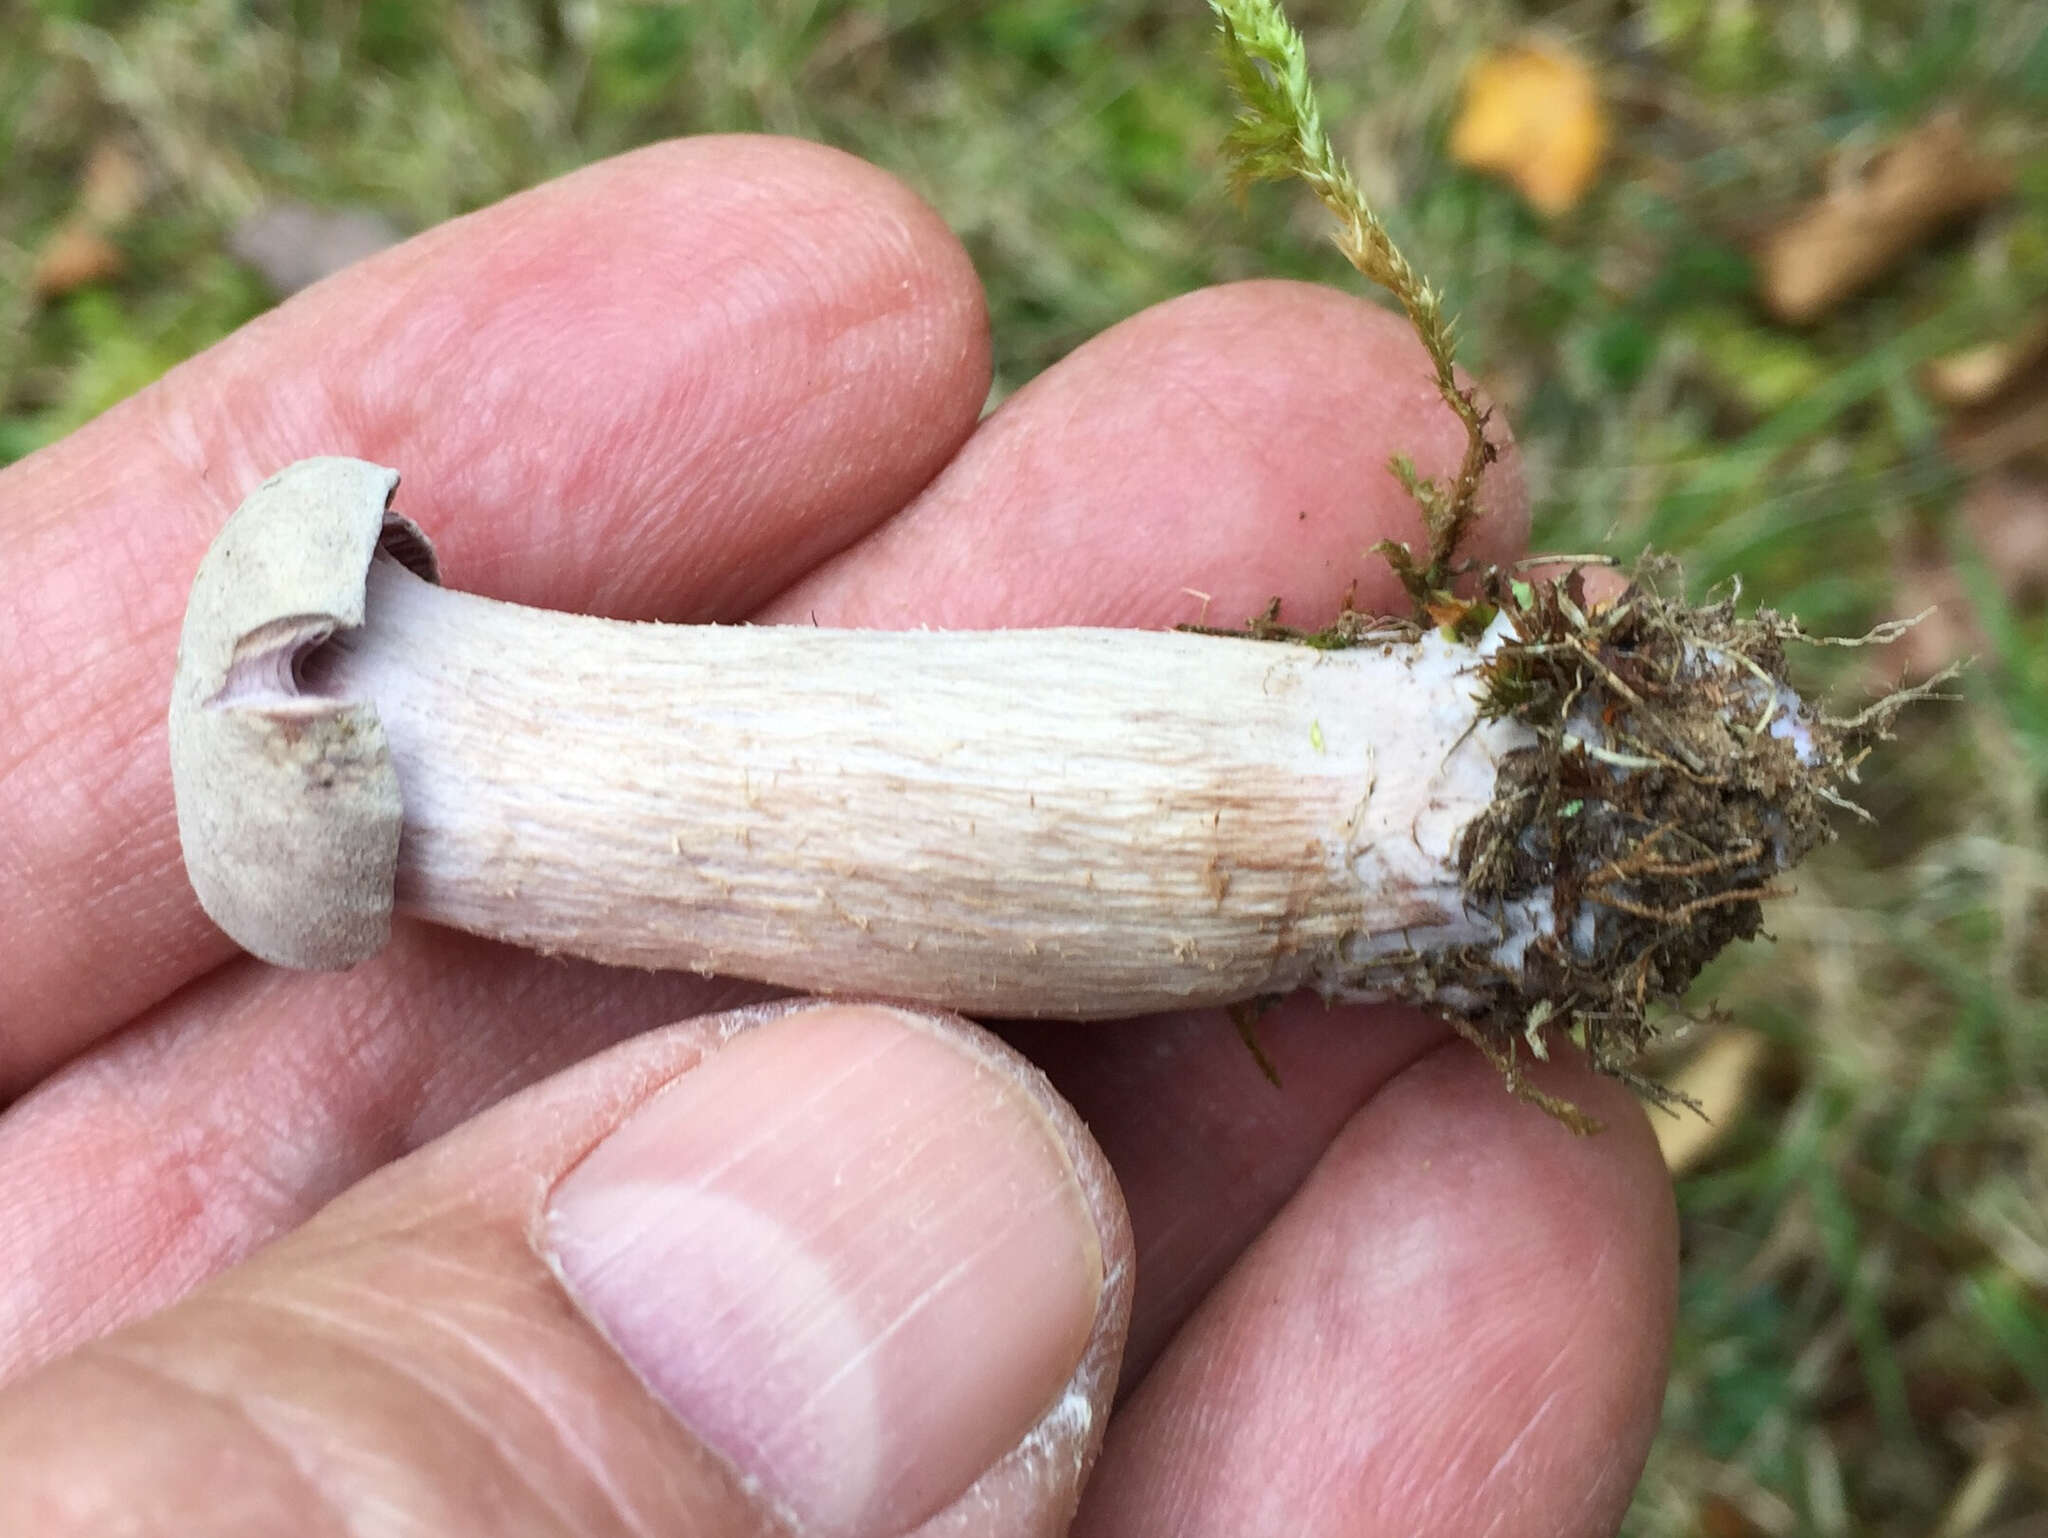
x,y
665,385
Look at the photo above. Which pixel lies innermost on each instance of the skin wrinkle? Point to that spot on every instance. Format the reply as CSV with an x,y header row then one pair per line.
x,y
481,1424
426,1084
394,1353
25,1308
1179,388
1601,1494
562,277
1264,458
210,453
219,1190
424,1247
1598,1493
319,1501
666,454
204,1232
1503,1472
200,1222
1337,1479
121,770
1505,1476
45,667
1504,1484
1446,1493
42,715
235,1192
150,849
833,399
615,996
310,1094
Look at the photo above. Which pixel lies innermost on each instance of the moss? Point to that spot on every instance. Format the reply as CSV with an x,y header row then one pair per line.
x,y
1673,777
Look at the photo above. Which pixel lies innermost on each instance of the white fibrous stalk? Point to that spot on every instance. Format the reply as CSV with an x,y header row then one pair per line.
x,y
1075,823
1557,815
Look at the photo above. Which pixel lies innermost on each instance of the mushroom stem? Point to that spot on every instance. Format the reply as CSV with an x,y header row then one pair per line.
x,y
1073,823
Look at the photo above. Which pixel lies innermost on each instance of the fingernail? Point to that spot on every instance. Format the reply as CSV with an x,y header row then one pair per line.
x,y
849,1252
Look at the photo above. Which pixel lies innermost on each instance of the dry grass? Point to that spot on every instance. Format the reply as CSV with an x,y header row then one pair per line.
x,y
1864,1341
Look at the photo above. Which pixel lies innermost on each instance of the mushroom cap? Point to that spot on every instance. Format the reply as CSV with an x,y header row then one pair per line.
x,y
288,806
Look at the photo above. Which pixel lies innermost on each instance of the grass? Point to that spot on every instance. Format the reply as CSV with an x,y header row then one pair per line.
x,y
1863,1346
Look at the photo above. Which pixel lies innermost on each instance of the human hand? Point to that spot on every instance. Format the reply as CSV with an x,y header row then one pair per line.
x,y
456,1242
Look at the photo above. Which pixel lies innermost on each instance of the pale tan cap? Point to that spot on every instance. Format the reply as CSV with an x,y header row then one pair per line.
x,y
288,805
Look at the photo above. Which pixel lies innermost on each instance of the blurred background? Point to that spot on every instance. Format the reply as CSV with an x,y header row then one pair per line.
x,y
1762,285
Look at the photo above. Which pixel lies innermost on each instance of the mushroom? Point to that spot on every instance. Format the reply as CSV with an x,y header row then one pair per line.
x,y
1561,812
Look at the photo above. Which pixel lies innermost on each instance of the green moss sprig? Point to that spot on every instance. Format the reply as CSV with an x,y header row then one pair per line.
x,y
1278,135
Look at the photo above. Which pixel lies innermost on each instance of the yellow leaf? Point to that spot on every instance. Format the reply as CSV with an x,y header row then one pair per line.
x,y
1531,115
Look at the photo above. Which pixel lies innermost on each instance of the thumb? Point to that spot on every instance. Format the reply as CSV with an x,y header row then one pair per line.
x,y
830,1269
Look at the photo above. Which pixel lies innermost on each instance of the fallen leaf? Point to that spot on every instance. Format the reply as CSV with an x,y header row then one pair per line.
x,y
73,256
1924,182
78,251
1718,1077
1978,376
295,245
1997,393
1531,115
